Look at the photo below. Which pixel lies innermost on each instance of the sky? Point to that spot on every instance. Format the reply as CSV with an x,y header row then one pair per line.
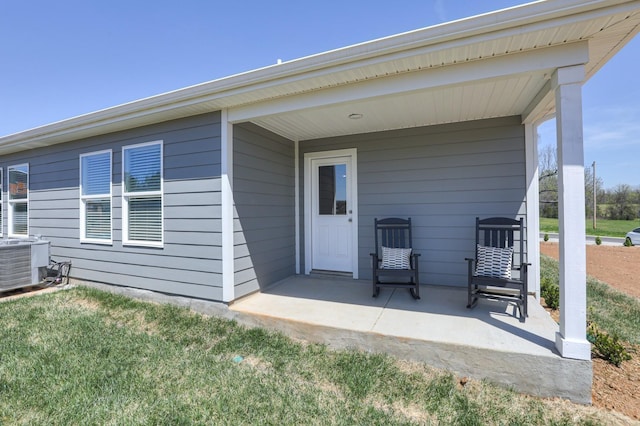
x,y
71,57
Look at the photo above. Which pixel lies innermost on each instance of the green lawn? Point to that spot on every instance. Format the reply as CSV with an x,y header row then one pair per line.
x,y
612,310
81,356
605,228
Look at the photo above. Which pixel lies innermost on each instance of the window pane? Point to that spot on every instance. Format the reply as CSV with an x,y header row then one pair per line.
x,y
18,182
19,218
98,219
332,190
142,168
145,219
96,174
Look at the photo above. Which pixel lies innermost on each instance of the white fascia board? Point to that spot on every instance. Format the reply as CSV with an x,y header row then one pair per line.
x,y
537,60
503,23
492,25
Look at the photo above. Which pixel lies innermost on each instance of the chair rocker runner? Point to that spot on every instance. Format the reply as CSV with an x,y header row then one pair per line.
x,y
393,260
499,242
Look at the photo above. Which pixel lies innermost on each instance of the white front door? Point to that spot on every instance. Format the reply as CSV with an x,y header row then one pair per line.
x,y
333,246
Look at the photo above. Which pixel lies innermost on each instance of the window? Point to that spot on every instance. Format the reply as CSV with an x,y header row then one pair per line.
x,y
332,189
142,194
19,200
95,197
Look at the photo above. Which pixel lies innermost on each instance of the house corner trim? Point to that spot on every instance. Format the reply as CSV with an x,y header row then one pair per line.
x,y
226,176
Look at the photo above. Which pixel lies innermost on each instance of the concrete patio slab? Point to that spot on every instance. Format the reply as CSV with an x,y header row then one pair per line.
x,y
488,342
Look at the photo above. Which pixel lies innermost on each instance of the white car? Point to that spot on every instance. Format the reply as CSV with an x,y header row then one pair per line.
x,y
634,236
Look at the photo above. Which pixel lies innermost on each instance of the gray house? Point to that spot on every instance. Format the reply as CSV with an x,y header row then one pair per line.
x,y
215,191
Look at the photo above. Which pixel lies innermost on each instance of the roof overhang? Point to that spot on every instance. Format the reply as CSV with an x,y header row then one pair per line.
x,y
491,65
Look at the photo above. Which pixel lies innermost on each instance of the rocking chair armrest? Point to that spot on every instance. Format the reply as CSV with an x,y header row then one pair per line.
x,y
413,263
522,267
470,261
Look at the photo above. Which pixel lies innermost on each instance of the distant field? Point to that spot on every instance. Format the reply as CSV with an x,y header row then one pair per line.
x,y
605,228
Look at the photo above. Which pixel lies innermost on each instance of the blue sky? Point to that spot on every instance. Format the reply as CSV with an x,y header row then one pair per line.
x,y
71,57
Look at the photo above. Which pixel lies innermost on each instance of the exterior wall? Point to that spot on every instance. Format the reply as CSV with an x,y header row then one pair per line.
x,y
440,176
264,199
189,262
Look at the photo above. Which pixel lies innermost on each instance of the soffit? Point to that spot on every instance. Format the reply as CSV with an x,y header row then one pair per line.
x,y
507,96
607,30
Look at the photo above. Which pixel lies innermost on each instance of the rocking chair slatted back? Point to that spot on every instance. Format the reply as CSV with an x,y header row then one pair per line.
x,y
500,232
394,233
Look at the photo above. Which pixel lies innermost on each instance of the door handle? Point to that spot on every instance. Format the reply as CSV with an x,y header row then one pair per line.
x,y
350,220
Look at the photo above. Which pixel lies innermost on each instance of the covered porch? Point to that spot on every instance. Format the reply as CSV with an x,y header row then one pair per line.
x,y
413,111
488,342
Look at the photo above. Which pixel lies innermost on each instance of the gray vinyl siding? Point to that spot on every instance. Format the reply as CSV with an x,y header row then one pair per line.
x,y
189,263
440,176
264,197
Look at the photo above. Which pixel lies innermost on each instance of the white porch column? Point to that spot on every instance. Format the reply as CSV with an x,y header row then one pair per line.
x,y
533,210
226,190
571,340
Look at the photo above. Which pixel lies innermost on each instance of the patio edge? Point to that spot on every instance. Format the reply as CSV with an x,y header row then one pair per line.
x,y
538,375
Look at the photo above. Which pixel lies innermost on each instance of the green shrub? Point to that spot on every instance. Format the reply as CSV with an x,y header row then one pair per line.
x,y
546,237
627,242
550,291
607,347
598,240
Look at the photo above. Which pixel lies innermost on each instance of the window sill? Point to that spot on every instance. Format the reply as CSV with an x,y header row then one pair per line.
x,y
20,236
99,242
143,244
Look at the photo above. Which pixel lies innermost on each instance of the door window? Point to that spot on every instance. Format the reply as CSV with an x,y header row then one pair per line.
x,y
332,190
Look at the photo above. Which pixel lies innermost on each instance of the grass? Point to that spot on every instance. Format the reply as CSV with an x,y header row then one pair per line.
x,y
605,227
612,310
82,356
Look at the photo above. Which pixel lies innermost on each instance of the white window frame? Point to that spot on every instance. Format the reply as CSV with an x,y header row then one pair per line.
x,y
127,195
12,203
85,198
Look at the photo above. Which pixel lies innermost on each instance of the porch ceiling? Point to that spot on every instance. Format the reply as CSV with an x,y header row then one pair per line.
x,y
506,94
462,102
395,82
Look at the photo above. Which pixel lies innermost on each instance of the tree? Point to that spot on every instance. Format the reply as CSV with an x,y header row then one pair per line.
x,y
588,192
621,203
548,182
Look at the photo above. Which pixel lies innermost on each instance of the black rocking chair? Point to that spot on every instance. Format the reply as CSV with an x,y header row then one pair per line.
x,y
499,242
394,259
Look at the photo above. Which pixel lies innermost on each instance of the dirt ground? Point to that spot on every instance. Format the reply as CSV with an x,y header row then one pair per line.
x,y
613,388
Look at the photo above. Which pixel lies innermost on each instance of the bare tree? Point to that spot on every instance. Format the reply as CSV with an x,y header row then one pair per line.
x,y
548,184
588,194
548,181
621,206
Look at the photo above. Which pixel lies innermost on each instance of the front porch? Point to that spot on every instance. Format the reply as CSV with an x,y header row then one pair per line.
x,y
487,342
